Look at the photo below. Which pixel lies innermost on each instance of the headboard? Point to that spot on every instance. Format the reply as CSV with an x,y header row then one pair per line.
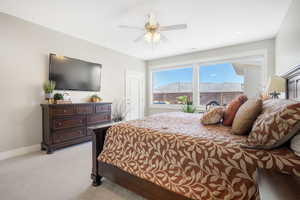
x,y
293,83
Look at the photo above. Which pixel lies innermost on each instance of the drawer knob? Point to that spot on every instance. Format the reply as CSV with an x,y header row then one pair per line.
x,y
65,111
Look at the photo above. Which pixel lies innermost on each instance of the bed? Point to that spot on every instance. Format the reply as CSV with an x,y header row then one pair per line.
x,y
172,156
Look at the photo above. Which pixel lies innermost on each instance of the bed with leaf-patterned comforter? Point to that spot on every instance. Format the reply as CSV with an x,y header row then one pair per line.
x,y
177,152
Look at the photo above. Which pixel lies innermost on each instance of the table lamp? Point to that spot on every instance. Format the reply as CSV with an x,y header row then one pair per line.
x,y
275,86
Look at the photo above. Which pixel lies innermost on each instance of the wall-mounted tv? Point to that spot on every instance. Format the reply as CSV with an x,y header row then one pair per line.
x,y
74,74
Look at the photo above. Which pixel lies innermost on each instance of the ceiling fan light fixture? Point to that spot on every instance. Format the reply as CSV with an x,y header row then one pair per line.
x,y
148,37
152,37
156,37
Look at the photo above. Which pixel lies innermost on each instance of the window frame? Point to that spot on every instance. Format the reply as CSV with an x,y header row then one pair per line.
x,y
195,65
200,65
167,106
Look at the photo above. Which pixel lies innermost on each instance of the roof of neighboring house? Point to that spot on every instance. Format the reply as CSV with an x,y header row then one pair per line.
x,y
181,87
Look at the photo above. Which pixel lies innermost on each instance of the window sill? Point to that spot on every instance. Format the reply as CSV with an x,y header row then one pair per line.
x,y
165,106
174,107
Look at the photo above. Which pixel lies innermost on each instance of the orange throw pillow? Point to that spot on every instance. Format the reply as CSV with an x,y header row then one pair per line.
x,y
232,108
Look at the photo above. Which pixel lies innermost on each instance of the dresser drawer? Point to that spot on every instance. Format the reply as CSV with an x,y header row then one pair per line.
x,y
66,135
63,111
68,122
86,109
98,118
103,108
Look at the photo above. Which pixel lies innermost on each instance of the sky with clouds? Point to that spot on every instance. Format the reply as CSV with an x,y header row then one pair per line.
x,y
217,73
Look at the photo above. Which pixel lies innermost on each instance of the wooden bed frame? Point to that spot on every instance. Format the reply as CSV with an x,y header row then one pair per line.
x,y
143,187
140,186
293,83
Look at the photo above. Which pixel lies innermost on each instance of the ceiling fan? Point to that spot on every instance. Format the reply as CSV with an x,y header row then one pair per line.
x,y
152,30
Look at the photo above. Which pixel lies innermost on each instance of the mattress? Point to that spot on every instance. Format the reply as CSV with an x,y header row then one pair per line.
x,y
177,152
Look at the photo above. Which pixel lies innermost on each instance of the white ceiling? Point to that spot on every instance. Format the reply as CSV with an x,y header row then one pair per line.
x,y
211,23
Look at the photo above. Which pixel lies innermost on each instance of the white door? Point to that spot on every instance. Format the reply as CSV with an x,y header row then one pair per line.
x,y
135,95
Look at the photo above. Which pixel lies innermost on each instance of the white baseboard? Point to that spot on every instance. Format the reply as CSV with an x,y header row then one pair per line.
x,y
20,151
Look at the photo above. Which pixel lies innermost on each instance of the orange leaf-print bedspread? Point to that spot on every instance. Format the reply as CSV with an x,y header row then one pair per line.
x,y
174,151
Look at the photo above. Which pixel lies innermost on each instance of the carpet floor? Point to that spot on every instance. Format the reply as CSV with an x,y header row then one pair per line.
x,y
63,175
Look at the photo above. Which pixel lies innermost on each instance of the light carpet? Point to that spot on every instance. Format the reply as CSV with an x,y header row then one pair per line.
x,y
63,175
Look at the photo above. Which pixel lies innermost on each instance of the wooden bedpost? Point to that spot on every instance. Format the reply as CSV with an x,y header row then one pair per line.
x,y
98,138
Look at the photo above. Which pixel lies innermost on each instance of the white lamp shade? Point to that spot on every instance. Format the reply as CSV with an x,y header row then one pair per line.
x,y
276,84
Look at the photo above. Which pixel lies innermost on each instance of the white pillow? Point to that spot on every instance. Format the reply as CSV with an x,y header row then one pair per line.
x,y
295,144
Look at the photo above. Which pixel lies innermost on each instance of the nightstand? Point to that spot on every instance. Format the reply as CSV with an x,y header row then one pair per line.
x,y
278,186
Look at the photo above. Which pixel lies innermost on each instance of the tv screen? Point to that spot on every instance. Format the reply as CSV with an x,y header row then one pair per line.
x,y
74,74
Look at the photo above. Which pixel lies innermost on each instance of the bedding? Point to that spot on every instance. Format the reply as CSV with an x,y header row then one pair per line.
x,y
213,116
278,123
295,144
232,108
177,152
246,116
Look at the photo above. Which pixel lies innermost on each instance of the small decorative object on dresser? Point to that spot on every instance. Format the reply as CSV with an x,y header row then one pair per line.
x,y
95,98
120,111
48,88
58,96
67,96
59,99
67,124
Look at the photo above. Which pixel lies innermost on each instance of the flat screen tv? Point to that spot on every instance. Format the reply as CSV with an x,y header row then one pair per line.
x,y
73,74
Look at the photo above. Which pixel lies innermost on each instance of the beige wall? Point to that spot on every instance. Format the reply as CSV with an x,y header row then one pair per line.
x,y
237,51
24,49
288,40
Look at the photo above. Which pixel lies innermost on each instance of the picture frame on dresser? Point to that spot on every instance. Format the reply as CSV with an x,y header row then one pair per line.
x,y
67,124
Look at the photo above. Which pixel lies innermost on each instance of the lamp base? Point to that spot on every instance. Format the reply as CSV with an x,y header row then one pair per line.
x,y
275,95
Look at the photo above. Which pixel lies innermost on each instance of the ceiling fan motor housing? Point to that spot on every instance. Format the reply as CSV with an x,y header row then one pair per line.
x,y
151,28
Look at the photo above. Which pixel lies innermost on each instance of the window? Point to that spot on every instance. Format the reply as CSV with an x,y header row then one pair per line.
x,y
220,83
204,83
167,85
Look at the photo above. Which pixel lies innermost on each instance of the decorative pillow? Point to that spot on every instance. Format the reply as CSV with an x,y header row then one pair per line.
x,y
213,116
279,122
246,116
232,108
295,144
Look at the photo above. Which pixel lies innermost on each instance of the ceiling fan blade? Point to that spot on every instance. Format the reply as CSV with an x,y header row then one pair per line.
x,y
173,27
131,27
163,38
139,38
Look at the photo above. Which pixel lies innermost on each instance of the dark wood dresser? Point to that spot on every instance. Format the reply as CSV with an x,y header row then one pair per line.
x,y
67,124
